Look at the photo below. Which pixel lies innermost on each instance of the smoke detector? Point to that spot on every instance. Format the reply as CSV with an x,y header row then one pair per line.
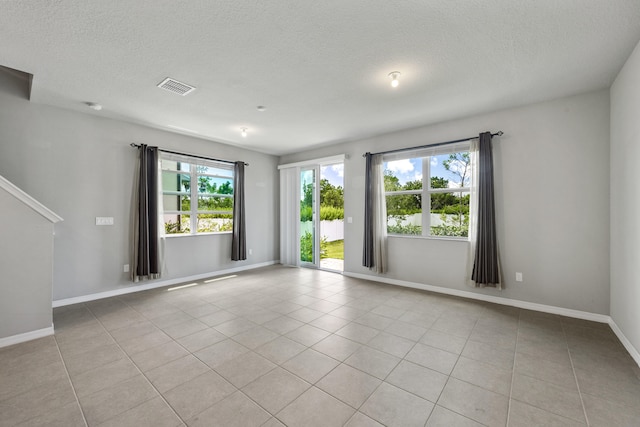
x,y
172,85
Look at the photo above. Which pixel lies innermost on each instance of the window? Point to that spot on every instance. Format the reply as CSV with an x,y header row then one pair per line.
x,y
197,195
437,183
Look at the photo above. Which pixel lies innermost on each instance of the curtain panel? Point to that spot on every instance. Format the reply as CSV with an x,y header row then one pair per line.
x,y
145,242
239,240
375,216
289,208
484,242
367,245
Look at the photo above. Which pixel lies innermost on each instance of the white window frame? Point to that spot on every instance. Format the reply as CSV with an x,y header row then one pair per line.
x,y
194,162
425,156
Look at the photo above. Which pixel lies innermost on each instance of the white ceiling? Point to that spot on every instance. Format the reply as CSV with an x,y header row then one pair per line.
x,y
320,67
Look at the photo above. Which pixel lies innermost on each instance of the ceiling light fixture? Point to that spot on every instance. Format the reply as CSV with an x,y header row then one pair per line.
x,y
261,108
94,106
394,78
243,132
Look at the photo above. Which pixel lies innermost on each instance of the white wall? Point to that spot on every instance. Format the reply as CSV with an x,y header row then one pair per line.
x,y
552,175
26,264
81,166
625,199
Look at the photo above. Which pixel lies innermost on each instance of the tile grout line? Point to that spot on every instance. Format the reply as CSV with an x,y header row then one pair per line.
x,y
449,375
207,365
73,388
202,361
357,410
513,369
251,350
312,385
238,390
575,376
137,368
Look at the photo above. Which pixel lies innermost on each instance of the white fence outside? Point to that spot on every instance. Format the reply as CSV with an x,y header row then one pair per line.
x,y
331,230
416,219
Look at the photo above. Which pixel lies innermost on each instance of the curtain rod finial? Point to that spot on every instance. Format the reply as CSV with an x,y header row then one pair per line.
x,y
500,133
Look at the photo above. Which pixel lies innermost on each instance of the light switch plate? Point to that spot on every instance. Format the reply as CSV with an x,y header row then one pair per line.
x,y
104,220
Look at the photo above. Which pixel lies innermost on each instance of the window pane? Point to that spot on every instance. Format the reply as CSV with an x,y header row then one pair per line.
x,y
215,203
211,185
172,165
450,170
208,170
176,182
404,214
450,214
176,203
177,224
403,174
214,223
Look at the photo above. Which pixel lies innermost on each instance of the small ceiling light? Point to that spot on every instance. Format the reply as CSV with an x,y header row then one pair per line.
x,y
243,132
261,108
394,78
94,106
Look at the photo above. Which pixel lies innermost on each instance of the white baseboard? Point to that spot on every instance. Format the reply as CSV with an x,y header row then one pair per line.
x,y
585,315
157,284
27,336
625,342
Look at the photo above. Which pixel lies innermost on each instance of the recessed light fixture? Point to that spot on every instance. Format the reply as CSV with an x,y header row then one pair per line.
x,y
94,106
261,108
394,78
243,132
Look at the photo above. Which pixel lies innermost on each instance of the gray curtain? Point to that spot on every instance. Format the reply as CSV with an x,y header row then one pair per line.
x,y
146,239
375,240
486,265
367,247
239,242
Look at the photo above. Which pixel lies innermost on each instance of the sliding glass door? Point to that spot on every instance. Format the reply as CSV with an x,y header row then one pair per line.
x,y
312,213
331,214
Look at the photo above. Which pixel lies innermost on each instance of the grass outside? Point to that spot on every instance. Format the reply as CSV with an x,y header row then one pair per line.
x,y
334,250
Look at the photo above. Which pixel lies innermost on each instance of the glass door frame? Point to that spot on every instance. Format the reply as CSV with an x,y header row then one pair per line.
x,y
315,214
293,203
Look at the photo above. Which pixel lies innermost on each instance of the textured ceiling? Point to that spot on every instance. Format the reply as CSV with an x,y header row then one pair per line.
x,y
320,67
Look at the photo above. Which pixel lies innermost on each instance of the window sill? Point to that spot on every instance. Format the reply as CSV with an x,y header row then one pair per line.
x,y
413,236
171,236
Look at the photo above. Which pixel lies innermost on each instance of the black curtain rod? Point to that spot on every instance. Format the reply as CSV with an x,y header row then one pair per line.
x,y
191,155
437,144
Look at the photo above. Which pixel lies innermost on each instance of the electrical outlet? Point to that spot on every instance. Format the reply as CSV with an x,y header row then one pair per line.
x,y
250,251
125,269
518,276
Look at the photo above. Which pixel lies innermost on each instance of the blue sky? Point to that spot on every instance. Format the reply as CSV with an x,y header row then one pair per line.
x,y
411,169
405,170
333,173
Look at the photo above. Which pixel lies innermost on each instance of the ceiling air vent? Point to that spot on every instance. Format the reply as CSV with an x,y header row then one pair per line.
x,y
175,86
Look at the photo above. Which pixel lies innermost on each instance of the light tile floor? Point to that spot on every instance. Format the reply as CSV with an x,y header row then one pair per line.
x,y
298,347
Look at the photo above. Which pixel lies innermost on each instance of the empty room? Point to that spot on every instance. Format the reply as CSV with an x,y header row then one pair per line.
x,y
317,214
